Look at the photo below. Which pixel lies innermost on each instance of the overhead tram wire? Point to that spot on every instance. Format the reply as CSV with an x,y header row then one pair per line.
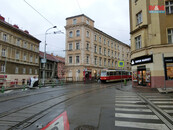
x,y
79,6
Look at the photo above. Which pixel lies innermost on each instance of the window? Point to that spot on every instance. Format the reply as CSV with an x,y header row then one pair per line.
x,y
95,48
104,41
3,52
169,7
108,52
31,47
139,18
100,61
5,37
70,34
115,45
115,53
70,46
138,42
30,71
77,33
100,39
74,21
95,37
112,45
17,70
25,45
24,57
70,59
95,60
100,50
87,47
87,21
18,42
36,49
112,53
24,70
87,59
112,63
115,63
36,59
104,62
108,62
2,67
87,34
170,35
77,46
36,71
77,59
30,58
17,55
108,43
105,51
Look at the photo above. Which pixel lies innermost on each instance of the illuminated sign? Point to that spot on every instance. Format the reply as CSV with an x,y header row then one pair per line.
x,y
142,60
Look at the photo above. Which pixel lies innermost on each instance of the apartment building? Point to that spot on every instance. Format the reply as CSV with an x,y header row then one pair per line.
x,y
151,29
89,50
19,53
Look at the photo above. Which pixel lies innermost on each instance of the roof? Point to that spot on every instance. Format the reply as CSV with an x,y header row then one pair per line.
x,y
4,23
51,57
79,16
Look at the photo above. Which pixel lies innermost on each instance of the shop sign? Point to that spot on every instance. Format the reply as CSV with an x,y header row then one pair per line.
x,y
168,59
142,60
120,63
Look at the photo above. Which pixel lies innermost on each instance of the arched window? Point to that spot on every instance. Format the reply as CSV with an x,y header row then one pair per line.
x,y
70,34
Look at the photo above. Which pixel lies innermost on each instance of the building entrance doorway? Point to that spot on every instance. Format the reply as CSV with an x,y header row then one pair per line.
x,y
142,75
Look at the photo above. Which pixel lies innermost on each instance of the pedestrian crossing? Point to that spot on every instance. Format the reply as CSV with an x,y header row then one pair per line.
x,y
132,113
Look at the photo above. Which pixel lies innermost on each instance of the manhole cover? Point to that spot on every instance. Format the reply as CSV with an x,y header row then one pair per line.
x,y
141,103
85,127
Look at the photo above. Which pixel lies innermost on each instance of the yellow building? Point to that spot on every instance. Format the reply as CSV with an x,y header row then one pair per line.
x,y
88,50
151,29
19,54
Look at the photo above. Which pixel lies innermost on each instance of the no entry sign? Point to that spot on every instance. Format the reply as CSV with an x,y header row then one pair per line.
x,y
59,123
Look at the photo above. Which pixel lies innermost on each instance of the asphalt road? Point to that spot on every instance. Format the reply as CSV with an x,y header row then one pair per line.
x,y
88,107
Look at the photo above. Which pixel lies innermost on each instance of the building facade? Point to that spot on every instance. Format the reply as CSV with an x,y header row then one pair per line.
x,y
54,67
19,53
89,50
151,29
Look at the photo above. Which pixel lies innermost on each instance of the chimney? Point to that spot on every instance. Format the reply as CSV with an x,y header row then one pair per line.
x,y
16,26
26,31
2,18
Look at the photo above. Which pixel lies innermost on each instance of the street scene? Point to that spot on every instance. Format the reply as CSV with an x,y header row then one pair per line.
x,y
86,65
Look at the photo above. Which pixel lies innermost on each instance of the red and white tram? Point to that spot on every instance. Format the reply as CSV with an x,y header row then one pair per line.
x,y
114,75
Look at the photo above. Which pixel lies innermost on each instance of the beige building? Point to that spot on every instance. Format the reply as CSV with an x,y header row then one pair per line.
x,y
88,50
151,29
19,54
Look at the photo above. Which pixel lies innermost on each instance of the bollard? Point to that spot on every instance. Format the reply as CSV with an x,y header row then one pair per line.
x,y
125,82
53,86
24,87
2,89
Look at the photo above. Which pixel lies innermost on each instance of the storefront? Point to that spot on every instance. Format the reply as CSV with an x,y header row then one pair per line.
x,y
141,75
168,62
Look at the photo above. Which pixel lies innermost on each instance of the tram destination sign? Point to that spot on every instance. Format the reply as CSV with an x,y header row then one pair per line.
x,y
142,60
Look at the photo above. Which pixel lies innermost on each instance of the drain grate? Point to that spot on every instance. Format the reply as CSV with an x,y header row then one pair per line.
x,y
85,127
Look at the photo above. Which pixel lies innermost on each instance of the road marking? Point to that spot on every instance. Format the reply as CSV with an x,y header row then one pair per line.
x,y
165,106
163,102
134,110
168,111
129,105
162,99
128,101
141,125
139,116
8,91
126,96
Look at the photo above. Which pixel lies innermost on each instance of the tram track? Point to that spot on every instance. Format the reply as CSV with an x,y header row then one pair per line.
x,y
53,102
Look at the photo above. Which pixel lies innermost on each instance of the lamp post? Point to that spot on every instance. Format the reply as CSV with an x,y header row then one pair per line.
x,y
44,62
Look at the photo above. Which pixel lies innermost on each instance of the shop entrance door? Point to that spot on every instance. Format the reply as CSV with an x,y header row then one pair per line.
x,y
142,75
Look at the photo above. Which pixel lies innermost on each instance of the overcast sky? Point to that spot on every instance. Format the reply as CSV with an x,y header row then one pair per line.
x,y
110,16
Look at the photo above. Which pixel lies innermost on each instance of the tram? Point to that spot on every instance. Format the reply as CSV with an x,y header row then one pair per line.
x,y
114,75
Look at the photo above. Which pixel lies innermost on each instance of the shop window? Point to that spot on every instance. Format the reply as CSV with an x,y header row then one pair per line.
x,y
169,71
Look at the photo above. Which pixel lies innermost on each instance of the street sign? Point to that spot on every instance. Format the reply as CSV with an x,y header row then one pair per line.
x,y
59,123
43,60
120,63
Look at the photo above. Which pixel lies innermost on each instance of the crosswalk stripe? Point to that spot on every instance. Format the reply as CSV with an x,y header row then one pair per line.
x,y
128,101
126,96
139,116
162,99
165,106
168,111
141,125
165,102
129,105
134,110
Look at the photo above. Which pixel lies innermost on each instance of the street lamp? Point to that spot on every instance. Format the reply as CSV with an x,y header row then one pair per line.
x,y
44,62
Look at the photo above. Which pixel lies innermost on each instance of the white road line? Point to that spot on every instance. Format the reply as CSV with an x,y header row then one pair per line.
x,y
127,98
162,99
129,105
163,102
134,110
138,116
128,101
168,111
8,91
141,125
156,96
165,106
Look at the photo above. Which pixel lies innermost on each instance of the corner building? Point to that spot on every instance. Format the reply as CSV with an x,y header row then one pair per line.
x,y
88,50
151,43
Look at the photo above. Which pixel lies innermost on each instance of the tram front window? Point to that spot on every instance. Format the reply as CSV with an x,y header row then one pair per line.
x,y
103,73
